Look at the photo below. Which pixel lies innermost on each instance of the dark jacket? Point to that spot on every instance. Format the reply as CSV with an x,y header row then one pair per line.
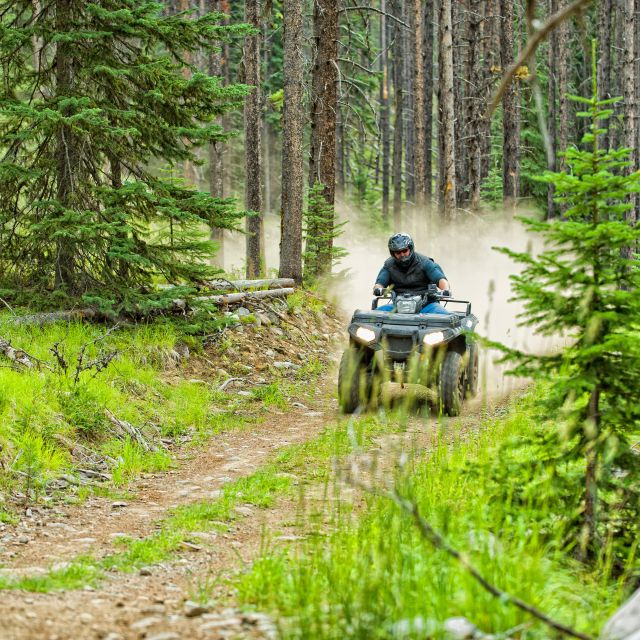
x,y
419,273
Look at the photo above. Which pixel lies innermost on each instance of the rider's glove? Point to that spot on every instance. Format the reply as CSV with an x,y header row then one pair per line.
x,y
378,291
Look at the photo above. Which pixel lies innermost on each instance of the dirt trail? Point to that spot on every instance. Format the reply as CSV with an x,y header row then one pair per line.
x,y
150,604
126,601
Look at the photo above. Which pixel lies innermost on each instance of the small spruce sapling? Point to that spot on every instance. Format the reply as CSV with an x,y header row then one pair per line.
x,y
320,233
584,286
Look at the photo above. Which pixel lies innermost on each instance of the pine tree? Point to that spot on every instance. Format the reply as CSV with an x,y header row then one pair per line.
x,y
90,134
584,286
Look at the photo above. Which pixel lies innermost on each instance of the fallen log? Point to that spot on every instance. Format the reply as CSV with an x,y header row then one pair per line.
x,y
230,298
244,285
54,316
18,355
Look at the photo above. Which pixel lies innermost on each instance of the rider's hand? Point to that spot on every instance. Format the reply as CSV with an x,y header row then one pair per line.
x,y
378,290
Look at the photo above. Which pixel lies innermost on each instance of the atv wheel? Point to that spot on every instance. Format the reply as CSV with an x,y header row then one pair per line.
x,y
472,371
452,383
354,381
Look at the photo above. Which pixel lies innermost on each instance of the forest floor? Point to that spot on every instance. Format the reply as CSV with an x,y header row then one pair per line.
x,y
177,582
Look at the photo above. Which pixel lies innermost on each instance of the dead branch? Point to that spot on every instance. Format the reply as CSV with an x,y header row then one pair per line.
x,y
530,48
384,13
125,429
21,357
438,541
283,318
54,316
228,381
100,363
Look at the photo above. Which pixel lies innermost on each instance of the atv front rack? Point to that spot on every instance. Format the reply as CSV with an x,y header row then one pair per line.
x,y
416,320
441,299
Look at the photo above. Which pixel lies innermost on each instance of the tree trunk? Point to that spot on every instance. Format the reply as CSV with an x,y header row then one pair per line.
x,y
490,30
408,63
630,106
322,158
341,155
460,36
510,114
552,58
398,58
564,106
604,27
446,107
216,177
189,171
67,152
292,137
384,110
591,476
474,83
253,151
427,50
418,106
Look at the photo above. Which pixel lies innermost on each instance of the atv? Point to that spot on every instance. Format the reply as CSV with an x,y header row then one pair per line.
x,y
434,356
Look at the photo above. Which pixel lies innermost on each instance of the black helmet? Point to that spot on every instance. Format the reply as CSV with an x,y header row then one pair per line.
x,y
400,242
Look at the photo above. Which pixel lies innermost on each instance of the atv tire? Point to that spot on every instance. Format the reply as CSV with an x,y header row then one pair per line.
x,y
471,388
354,381
452,383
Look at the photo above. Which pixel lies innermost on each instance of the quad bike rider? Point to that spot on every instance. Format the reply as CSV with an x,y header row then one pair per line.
x,y
413,338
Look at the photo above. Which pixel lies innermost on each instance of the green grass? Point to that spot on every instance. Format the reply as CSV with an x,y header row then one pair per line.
x,y
42,411
80,573
369,574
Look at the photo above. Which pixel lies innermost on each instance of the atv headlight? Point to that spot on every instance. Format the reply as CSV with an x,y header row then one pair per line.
x,y
365,334
431,339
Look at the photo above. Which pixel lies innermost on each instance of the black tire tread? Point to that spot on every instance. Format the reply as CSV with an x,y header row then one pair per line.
x,y
449,388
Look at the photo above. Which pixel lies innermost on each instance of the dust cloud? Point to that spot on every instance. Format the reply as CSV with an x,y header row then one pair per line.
x,y
464,250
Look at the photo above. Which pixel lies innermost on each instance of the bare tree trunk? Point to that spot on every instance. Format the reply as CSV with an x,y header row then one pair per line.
x,y
418,106
67,157
188,167
563,87
322,158
591,476
636,48
474,83
604,26
407,81
510,113
460,19
630,106
215,154
292,152
36,41
384,110
490,30
398,58
552,58
341,155
427,49
253,151
446,108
